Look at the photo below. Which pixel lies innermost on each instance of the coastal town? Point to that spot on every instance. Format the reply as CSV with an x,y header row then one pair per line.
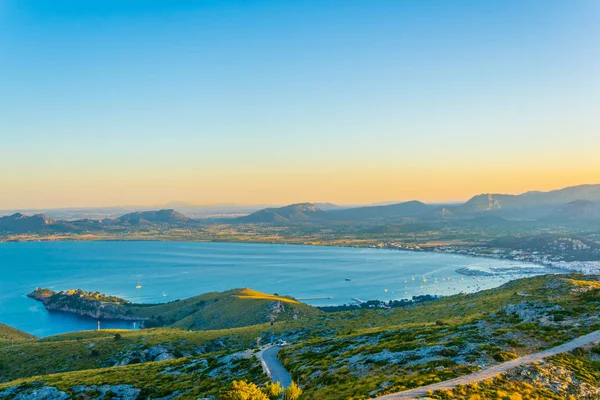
x,y
556,257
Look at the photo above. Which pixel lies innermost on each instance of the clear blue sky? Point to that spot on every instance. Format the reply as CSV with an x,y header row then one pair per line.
x,y
131,102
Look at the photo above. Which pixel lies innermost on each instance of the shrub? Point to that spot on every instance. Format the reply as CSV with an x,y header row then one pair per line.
x,y
449,352
579,352
273,390
242,390
117,336
292,392
504,356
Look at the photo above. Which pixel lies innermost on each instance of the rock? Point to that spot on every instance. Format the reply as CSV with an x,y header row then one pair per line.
x,y
276,307
35,393
160,353
530,311
117,392
557,378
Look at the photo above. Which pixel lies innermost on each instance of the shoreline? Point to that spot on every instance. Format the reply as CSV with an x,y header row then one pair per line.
x,y
376,246
322,245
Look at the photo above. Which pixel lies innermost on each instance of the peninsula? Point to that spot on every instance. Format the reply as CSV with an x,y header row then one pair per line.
x,y
215,310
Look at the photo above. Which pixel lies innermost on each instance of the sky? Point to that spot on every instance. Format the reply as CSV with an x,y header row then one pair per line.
x,y
121,102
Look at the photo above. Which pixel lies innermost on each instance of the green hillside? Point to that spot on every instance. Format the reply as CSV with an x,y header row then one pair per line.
x,y
8,334
571,376
302,212
338,355
184,378
230,309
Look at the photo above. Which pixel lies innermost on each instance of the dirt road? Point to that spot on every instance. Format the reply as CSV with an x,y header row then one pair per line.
x,y
495,370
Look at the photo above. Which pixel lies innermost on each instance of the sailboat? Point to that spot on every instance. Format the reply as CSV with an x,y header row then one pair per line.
x,y
139,284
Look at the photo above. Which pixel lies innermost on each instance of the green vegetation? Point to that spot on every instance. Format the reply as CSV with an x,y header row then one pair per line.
x,y
187,378
273,390
230,309
9,335
242,390
293,392
571,376
353,354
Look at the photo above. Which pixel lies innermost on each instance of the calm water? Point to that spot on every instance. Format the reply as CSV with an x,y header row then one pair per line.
x,y
181,270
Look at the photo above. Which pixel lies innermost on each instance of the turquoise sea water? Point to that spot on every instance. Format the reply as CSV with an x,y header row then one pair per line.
x,y
180,270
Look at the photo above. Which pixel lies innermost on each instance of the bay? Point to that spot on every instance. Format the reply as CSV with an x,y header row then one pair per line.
x,y
167,271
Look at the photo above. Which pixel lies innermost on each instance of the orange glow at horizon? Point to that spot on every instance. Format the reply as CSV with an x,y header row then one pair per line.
x,y
283,187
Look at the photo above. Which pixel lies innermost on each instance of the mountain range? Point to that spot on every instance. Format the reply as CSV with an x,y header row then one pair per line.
x,y
564,205
577,204
530,204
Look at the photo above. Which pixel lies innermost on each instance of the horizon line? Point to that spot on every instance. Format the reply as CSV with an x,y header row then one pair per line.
x,y
166,206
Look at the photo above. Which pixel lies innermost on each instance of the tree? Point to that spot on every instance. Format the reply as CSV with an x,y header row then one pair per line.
x,y
273,390
242,390
292,392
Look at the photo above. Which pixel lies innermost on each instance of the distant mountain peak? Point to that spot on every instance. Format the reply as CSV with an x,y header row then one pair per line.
x,y
544,201
20,223
160,216
299,212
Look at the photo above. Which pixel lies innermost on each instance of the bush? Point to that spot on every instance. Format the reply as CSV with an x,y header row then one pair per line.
x,y
273,390
242,390
449,352
579,352
504,356
292,392
117,336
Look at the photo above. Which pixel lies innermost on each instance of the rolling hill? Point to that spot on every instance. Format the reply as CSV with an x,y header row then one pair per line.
x,y
308,212
336,355
406,209
573,204
301,212
575,211
230,309
19,223
532,204
8,333
169,216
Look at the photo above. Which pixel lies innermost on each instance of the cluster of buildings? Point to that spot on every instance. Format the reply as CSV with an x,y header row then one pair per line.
x,y
552,258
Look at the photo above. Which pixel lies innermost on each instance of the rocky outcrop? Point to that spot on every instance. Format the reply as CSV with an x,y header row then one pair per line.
x,y
530,311
160,352
24,392
120,392
85,304
38,392
559,379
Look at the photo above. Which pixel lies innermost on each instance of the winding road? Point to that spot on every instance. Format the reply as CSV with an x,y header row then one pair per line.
x,y
273,367
495,370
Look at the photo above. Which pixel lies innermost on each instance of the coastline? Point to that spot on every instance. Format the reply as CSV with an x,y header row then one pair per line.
x,y
422,248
